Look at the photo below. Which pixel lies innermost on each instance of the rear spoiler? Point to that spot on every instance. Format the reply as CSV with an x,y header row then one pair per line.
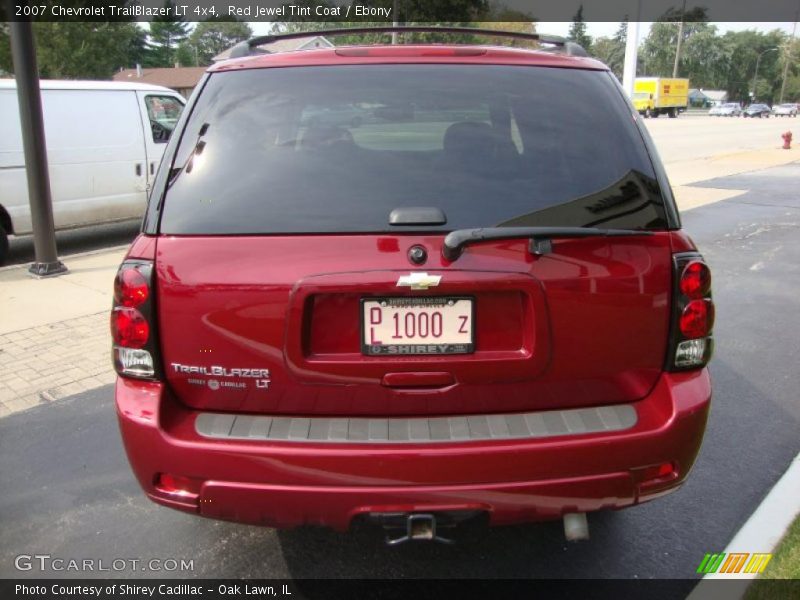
x,y
562,45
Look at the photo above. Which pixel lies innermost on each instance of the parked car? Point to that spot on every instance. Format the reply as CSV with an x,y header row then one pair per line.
x,y
757,110
729,109
459,310
785,110
104,144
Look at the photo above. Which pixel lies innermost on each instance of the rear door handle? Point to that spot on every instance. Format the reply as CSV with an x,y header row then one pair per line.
x,y
152,168
414,379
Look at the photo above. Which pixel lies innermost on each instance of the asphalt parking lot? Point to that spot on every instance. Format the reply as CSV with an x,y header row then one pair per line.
x,y
69,492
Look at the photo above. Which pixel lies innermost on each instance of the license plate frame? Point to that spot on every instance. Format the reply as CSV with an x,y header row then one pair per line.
x,y
432,348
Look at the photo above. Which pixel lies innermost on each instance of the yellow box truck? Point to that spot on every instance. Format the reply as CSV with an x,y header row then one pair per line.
x,y
653,96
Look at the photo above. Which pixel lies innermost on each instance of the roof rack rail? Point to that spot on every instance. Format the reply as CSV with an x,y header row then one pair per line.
x,y
247,48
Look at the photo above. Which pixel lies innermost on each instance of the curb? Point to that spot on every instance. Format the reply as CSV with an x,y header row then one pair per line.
x,y
762,532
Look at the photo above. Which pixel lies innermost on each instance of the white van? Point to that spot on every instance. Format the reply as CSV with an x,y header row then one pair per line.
x,y
104,143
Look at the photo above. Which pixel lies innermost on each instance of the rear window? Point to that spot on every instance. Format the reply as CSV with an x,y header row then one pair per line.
x,y
336,149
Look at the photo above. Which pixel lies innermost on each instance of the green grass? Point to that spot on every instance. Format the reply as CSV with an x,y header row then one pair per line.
x,y
785,565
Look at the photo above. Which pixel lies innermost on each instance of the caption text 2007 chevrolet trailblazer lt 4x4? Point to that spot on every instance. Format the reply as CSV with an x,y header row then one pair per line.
x,y
415,284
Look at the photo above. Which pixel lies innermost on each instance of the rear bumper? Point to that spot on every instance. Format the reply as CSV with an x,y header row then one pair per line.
x,y
285,484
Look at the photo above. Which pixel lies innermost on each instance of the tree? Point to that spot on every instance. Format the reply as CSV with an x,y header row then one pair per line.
x,y
5,49
790,53
742,49
611,50
80,50
792,91
711,61
186,55
577,32
410,12
309,23
659,47
166,34
703,59
300,25
621,36
605,50
209,38
518,25
136,52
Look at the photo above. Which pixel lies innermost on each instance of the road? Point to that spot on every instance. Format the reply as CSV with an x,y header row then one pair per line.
x,y
679,141
690,137
68,491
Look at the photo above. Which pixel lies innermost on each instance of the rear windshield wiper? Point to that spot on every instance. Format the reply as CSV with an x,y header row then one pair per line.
x,y
540,237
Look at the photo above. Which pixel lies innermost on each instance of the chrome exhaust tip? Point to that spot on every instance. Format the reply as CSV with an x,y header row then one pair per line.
x,y
576,527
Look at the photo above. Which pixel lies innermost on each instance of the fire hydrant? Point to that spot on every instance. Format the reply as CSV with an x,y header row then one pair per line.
x,y
787,140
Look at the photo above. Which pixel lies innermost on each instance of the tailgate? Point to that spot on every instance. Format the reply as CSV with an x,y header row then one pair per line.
x,y
245,329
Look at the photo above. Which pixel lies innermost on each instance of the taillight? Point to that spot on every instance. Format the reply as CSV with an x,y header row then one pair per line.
x,y
697,319
129,328
132,321
691,343
695,279
130,287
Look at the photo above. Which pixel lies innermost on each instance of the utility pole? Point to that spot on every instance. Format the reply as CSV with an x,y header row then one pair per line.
x,y
29,98
680,41
787,56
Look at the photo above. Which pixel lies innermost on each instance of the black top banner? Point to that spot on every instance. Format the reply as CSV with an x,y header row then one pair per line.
x,y
403,11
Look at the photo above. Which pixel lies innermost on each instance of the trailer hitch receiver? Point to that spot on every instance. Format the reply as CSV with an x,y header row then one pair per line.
x,y
420,527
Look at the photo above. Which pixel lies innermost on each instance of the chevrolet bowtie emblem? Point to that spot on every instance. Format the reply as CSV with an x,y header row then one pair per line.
x,y
419,281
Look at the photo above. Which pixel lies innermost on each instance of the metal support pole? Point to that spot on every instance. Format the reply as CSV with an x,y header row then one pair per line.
x,y
631,50
33,141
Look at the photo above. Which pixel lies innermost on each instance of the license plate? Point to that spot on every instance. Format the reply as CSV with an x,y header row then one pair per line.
x,y
412,326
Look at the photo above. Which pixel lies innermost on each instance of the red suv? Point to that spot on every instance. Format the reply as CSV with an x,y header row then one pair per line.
x,y
416,284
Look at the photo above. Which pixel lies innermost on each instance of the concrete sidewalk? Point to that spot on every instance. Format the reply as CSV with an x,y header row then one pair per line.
x,y
54,335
